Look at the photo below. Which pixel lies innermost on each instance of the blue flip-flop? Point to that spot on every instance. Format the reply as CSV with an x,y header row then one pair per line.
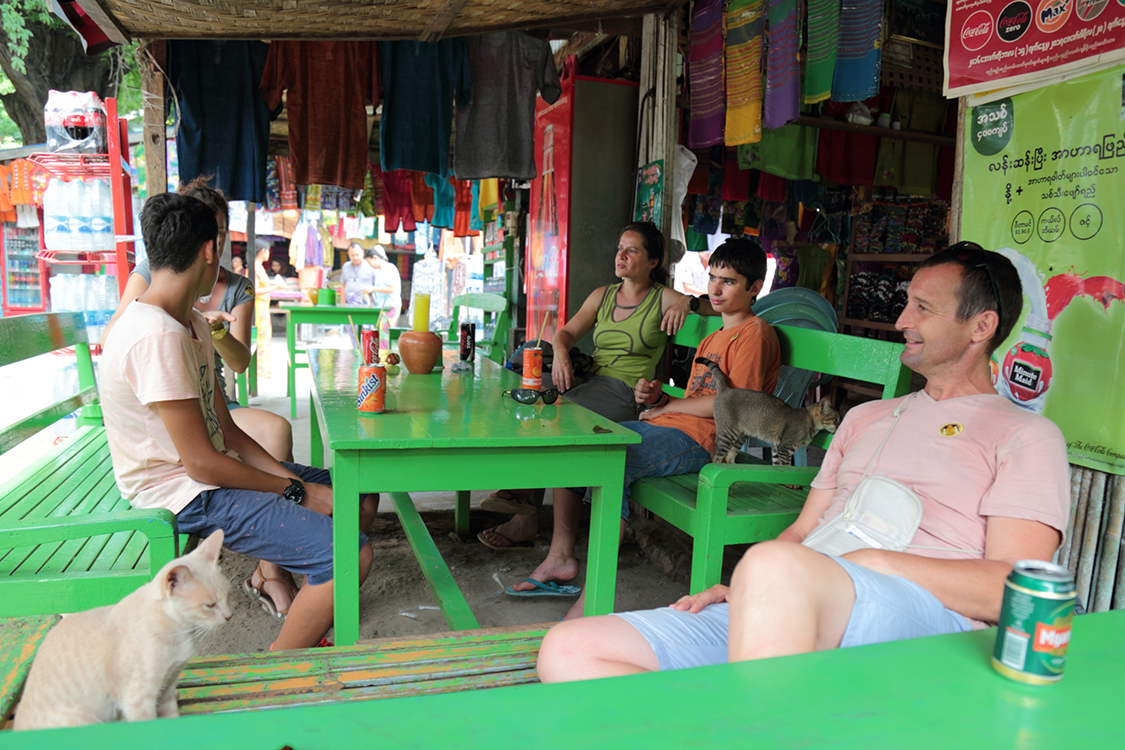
x,y
546,589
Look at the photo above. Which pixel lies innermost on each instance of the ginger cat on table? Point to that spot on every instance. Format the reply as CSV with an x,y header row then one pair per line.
x,y
121,662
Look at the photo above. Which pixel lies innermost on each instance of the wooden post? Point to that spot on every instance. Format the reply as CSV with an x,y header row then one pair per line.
x,y
958,175
154,138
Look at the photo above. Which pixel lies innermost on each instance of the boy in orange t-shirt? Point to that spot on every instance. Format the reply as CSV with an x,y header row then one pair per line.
x,y
678,434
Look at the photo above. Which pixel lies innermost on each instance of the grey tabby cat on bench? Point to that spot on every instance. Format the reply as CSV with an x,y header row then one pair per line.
x,y
742,414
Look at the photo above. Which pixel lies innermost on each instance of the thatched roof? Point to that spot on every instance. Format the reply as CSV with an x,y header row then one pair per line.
x,y
350,19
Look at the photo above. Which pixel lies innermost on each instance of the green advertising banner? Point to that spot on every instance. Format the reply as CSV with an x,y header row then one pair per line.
x,y
1045,185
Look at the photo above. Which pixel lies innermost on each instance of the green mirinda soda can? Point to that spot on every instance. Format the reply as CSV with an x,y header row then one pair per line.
x,y
1034,627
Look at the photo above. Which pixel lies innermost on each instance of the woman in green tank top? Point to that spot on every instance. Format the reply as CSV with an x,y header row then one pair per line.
x,y
630,321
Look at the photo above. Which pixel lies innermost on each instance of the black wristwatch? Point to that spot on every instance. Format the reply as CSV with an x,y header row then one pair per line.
x,y
694,304
295,491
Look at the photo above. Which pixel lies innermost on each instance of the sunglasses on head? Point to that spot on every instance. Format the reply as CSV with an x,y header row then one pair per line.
x,y
530,396
969,252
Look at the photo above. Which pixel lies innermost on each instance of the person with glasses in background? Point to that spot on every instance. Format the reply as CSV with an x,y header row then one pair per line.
x,y
992,481
677,434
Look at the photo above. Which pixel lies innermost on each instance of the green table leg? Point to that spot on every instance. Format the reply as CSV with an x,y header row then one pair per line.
x,y
452,601
316,444
605,530
345,556
291,344
461,512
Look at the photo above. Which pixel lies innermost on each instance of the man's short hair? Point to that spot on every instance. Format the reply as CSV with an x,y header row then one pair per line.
x,y
989,281
174,228
742,255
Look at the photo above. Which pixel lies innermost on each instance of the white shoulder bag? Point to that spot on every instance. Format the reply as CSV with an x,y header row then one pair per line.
x,y
880,513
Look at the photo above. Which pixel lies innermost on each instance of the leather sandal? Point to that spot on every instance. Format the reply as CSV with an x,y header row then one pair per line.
x,y
261,597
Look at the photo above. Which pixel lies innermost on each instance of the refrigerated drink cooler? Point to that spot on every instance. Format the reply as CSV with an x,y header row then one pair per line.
x,y
24,274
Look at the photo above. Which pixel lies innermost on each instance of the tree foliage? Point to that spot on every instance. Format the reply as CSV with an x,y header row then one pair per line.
x,y
38,53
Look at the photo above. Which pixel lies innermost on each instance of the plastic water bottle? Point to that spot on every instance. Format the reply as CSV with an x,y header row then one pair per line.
x,y
56,228
102,219
75,198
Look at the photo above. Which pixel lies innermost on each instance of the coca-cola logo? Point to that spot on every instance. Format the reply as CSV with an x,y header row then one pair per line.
x,y
1052,15
977,31
1014,21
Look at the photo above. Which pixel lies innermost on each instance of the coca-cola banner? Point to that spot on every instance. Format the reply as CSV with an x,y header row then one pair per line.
x,y
996,44
1044,185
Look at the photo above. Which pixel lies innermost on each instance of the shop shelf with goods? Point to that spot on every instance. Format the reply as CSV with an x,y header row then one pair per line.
x,y
24,275
88,222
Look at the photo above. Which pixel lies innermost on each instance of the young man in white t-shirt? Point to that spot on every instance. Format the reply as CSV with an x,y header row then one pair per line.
x,y
993,481
175,446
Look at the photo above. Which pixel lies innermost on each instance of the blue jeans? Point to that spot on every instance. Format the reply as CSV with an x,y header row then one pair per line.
x,y
662,452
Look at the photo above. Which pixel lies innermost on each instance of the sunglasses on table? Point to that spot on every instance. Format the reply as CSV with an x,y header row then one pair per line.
x,y
530,396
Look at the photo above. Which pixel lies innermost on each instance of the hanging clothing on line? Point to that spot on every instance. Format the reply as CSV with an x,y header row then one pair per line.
x,y
495,130
859,55
287,186
421,197
398,209
783,69
420,82
820,56
328,86
464,207
788,152
444,200
743,72
224,123
705,75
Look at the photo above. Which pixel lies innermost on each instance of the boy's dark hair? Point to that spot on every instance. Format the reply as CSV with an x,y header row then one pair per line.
x,y
741,255
200,188
989,281
653,241
174,228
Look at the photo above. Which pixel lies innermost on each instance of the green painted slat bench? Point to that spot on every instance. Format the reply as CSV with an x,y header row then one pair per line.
x,y
384,668
747,502
68,540
19,640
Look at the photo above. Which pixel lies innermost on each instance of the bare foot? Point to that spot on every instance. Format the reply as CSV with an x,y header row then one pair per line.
x,y
282,592
551,569
519,529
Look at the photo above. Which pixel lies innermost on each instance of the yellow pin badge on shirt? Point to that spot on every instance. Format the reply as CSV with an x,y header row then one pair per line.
x,y
950,429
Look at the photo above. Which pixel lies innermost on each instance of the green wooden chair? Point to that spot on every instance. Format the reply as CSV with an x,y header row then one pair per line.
x,y
748,502
494,343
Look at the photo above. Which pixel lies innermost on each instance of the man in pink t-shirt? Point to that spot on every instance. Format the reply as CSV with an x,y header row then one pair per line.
x,y
993,481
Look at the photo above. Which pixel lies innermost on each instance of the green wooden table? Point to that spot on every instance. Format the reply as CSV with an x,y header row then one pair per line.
x,y
938,693
319,315
449,431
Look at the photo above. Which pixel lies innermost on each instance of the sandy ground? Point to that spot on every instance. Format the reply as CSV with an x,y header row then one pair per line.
x,y
395,600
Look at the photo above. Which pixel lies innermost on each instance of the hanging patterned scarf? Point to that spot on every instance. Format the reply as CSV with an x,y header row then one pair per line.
x,y
783,70
744,72
705,74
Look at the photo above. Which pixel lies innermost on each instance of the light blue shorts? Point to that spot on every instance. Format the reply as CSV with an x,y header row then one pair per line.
x,y
267,526
887,608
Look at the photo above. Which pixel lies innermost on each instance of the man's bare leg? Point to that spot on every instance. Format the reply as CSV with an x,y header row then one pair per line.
x,y
787,599
594,647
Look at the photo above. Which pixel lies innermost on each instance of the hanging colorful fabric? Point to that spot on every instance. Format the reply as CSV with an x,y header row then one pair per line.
x,y
744,72
783,70
705,75
820,56
859,56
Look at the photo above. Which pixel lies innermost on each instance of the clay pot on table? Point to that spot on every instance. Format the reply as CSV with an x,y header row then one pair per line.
x,y
419,350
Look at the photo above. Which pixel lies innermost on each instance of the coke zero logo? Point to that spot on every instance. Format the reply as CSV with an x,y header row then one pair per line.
x,y
1014,21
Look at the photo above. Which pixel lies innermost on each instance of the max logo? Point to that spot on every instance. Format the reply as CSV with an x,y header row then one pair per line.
x,y
1052,15
1051,639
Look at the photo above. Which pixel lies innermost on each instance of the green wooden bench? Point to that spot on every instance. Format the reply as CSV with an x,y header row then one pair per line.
x,y
746,502
19,640
68,540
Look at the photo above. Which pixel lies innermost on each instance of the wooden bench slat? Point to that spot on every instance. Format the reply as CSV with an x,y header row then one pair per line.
x,y
19,640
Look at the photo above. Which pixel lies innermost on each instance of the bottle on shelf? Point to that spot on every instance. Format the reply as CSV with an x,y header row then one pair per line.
x,y
56,221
